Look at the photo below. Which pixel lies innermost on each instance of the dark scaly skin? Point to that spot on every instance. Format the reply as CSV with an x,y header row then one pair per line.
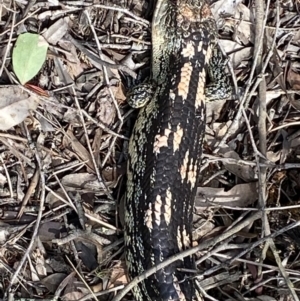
x,y
166,146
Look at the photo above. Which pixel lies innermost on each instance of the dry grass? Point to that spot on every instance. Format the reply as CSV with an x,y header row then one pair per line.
x,y
63,168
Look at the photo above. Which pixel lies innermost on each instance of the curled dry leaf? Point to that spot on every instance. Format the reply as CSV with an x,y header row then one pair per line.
x,y
79,149
118,275
85,182
214,109
244,172
71,292
215,280
15,105
237,52
56,31
241,195
294,79
53,281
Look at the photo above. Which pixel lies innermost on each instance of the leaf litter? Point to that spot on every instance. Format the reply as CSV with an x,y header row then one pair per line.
x,y
63,152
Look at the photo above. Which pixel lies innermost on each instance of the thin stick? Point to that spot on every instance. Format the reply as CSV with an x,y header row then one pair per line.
x,y
37,225
8,44
179,256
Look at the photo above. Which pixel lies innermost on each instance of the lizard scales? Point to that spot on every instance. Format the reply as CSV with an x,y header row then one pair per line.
x,y
166,145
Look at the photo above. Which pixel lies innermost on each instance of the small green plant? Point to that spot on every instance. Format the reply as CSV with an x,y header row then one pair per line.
x,y
29,55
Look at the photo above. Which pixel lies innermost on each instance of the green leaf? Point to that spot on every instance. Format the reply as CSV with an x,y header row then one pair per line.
x,y
29,55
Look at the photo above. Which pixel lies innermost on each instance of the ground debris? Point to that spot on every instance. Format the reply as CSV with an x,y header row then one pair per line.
x,y
63,152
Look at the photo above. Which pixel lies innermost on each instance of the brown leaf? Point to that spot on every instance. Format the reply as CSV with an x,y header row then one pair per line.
x,y
241,195
293,79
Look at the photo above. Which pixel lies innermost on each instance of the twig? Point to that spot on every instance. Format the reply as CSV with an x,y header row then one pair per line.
x,y
69,204
8,44
22,21
259,34
103,127
37,225
260,241
62,286
104,69
201,246
82,279
87,140
82,235
30,190
7,177
110,92
251,247
285,125
243,100
256,151
123,10
266,266
269,164
111,290
260,12
100,222
95,60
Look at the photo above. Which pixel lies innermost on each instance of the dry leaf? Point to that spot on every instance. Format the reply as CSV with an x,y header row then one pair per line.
x,y
244,172
118,275
52,281
241,195
83,182
56,31
293,79
15,105
80,150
